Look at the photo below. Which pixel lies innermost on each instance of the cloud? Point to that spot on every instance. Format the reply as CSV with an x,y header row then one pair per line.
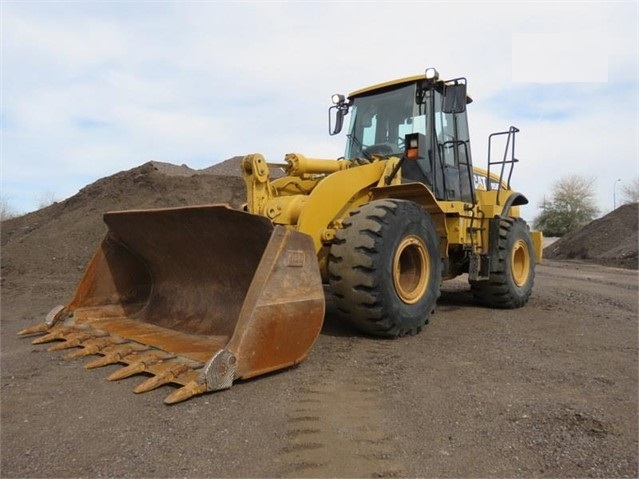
x,y
91,88
584,129
559,57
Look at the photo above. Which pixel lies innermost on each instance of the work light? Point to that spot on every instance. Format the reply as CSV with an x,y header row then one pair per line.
x,y
432,74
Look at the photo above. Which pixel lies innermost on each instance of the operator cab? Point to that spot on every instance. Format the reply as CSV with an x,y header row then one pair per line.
x,y
381,116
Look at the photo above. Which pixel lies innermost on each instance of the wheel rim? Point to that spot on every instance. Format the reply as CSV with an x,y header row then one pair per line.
x,y
520,263
411,269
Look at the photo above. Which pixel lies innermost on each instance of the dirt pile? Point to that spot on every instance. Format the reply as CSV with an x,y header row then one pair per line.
x,y
611,240
230,167
58,241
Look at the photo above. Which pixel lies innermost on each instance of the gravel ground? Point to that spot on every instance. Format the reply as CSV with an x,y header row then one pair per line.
x,y
549,390
546,391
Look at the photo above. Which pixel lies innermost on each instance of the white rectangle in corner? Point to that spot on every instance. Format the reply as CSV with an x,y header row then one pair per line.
x,y
559,57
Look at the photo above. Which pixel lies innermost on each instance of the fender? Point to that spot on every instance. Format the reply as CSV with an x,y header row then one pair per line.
x,y
336,194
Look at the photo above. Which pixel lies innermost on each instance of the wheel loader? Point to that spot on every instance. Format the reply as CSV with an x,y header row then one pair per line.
x,y
203,296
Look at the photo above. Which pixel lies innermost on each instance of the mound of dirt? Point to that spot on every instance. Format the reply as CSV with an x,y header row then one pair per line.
x,y
230,167
57,242
611,240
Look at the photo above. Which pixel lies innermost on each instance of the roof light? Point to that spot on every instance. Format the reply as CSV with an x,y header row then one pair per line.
x,y
338,99
432,74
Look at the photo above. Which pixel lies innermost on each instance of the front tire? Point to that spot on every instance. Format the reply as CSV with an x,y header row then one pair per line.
x,y
511,282
385,268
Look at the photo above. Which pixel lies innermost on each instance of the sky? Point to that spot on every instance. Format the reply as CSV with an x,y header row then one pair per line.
x,y
92,88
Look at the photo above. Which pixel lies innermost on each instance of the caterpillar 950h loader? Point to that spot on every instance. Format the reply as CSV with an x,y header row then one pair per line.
x,y
202,296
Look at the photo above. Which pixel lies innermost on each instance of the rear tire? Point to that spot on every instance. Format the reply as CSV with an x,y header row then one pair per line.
x,y
385,268
511,282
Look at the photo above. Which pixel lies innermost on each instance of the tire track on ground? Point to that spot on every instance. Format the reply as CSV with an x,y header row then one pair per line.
x,y
336,423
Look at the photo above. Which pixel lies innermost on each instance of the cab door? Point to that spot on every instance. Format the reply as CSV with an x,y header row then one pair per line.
x,y
453,145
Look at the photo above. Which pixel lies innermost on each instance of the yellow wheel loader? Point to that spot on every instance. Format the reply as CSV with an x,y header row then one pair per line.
x,y
203,296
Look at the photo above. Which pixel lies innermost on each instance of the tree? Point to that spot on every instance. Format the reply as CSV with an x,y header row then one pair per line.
x,y
630,192
6,211
46,198
572,205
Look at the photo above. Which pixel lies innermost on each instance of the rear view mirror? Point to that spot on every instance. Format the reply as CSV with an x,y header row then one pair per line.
x,y
336,119
454,98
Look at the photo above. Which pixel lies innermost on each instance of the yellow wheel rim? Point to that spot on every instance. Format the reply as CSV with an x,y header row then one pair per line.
x,y
411,269
520,262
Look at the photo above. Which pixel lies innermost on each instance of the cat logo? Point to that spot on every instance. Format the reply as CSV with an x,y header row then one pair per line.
x,y
481,180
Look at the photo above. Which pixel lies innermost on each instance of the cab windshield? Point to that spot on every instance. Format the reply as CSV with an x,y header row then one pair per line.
x,y
380,121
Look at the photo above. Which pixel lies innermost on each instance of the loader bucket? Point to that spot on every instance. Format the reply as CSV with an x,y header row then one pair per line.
x,y
196,296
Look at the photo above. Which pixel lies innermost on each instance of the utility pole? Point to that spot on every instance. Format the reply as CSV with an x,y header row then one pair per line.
x,y
614,194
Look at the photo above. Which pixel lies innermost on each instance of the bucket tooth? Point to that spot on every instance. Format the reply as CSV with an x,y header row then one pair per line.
x,y
127,371
52,317
47,338
59,333
103,361
38,328
73,340
162,378
93,346
186,392
78,354
138,363
114,355
63,346
152,383
148,357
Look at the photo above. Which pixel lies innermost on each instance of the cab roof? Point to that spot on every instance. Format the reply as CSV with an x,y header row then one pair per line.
x,y
379,86
397,82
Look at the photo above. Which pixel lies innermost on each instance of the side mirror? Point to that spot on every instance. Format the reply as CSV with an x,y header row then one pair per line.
x,y
336,115
454,98
340,107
